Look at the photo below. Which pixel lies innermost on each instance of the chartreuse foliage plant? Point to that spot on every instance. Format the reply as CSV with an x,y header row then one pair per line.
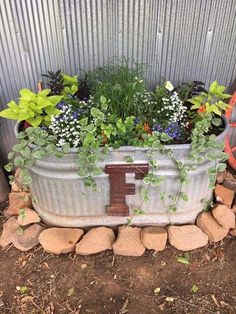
x,y
211,103
35,108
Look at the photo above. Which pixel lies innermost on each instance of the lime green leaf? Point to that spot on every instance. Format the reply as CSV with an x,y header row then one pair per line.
x,y
9,114
183,259
35,122
28,94
194,288
216,110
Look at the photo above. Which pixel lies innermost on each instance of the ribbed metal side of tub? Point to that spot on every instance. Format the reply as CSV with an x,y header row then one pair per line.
x,y
61,198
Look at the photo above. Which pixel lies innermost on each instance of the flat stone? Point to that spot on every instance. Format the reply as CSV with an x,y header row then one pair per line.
x,y
129,242
224,195
224,216
60,240
207,223
9,228
187,238
96,240
29,239
154,238
18,200
27,216
221,177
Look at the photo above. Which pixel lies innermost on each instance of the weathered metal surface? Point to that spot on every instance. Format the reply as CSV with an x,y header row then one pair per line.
x,y
179,40
4,187
61,198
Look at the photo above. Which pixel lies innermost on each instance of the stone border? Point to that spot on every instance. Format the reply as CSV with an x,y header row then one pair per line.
x,y
24,229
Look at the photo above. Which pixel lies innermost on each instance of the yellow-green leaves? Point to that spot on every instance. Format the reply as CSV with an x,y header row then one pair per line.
x,y
35,108
211,102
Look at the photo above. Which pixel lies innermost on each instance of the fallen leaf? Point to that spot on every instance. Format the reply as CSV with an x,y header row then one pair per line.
x,y
71,292
123,310
183,260
157,290
22,289
83,266
223,303
169,299
214,300
194,288
26,299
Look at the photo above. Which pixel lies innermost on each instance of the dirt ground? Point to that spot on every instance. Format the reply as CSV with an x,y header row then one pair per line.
x,y
37,282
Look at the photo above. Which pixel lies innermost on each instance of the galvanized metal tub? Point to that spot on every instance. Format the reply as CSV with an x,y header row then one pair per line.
x,y
62,200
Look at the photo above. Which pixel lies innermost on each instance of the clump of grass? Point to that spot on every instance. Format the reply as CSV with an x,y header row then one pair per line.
x,y
120,82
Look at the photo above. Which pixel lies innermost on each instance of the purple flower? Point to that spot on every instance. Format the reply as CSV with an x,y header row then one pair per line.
x,y
157,127
80,111
75,114
173,131
45,128
136,121
60,105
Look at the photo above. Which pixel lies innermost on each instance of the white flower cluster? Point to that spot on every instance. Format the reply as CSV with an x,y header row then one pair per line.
x,y
173,109
66,127
145,98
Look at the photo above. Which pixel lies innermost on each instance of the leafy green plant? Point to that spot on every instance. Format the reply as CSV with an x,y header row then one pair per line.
x,y
60,83
211,103
120,113
119,82
35,108
33,144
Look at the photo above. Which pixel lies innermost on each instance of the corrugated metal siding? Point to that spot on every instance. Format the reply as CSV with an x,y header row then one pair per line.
x,y
180,40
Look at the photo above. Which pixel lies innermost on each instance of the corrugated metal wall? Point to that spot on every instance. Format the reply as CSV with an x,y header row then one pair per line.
x,y
179,40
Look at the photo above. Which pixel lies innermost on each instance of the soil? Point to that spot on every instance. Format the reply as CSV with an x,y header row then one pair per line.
x,y
104,283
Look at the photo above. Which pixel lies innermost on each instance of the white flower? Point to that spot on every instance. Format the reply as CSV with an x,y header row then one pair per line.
x,y
169,86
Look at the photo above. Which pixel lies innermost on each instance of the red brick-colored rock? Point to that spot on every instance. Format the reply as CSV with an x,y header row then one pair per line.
x,y
207,223
17,201
224,195
224,216
129,242
187,238
27,216
60,240
9,228
96,240
154,238
29,239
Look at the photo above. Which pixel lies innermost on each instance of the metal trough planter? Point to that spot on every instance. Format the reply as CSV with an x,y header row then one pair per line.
x,y
62,199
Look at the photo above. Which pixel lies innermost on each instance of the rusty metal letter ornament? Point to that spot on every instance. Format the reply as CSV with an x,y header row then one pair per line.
x,y
119,188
